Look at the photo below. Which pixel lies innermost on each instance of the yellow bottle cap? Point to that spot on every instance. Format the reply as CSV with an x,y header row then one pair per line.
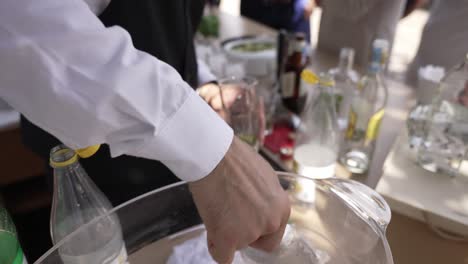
x,y
71,155
88,152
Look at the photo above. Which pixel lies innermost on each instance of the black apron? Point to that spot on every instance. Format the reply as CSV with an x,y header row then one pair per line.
x,y
277,15
164,29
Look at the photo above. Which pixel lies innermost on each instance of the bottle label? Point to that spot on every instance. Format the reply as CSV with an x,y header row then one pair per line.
x,y
288,82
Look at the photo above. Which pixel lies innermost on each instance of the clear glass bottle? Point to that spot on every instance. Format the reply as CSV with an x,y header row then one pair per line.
x,y
77,202
366,113
444,146
345,85
10,248
317,141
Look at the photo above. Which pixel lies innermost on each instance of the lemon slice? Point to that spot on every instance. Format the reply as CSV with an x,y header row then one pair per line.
x,y
309,76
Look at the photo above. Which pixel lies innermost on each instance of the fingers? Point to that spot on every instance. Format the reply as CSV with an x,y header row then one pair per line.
x,y
216,102
208,92
271,241
221,249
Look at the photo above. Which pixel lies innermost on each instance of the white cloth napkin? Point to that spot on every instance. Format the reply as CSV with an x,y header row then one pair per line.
x,y
195,251
293,250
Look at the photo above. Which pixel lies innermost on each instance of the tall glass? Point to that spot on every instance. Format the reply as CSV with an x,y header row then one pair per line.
x,y
243,109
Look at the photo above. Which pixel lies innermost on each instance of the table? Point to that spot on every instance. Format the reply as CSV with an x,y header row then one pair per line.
x,y
428,197
410,239
400,97
425,206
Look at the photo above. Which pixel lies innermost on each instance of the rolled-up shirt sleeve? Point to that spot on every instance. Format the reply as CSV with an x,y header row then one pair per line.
x,y
86,84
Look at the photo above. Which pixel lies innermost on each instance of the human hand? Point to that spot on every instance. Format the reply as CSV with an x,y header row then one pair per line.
x,y
212,95
241,203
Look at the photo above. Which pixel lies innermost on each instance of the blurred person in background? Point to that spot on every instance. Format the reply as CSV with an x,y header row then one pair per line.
x,y
412,5
444,41
292,15
356,23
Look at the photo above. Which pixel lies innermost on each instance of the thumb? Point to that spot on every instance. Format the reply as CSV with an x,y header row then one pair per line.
x,y
223,252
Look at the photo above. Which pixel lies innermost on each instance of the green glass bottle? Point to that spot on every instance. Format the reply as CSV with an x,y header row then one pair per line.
x,y
10,248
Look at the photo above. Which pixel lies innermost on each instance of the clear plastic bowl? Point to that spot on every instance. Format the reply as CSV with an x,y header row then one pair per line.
x,y
343,219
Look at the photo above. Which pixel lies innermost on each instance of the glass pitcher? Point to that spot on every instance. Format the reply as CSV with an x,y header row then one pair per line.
x,y
344,223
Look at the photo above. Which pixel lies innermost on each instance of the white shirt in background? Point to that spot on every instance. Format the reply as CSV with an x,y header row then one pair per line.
x,y
356,23
86,84
444,41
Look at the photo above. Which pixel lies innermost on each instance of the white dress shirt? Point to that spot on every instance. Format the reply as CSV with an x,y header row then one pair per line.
x,y
356,23
444,41
86,84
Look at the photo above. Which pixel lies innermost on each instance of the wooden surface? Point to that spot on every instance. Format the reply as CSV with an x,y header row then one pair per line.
x,y
412,242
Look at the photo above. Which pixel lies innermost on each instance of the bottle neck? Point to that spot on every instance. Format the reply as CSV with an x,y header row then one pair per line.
x,y
375,68
345,64
344,68
297,46
378,62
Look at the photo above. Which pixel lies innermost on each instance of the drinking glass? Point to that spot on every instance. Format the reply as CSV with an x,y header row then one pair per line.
x,y
243,109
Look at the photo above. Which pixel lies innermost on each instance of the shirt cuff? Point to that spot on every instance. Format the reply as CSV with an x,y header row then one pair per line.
x,y
192,142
